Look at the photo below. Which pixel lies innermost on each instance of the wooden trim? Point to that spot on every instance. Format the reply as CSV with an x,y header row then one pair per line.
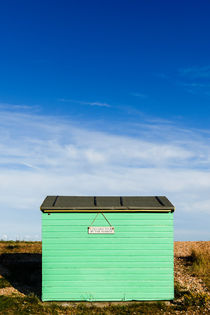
x,y
110,211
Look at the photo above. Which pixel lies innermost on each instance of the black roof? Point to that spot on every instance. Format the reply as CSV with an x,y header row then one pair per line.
x,y
106,203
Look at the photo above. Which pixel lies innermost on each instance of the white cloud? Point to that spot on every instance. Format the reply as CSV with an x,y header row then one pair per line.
x,y
41,155
100,104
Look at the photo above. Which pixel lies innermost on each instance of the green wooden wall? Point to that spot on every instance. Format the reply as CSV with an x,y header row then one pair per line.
x,y
135,263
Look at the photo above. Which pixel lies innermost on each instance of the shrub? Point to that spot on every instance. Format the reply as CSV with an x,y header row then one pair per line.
x,y
4,283
195,299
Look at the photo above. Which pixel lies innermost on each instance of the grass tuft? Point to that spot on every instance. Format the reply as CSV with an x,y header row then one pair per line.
x,y
201,265
195,299
32,299
4,283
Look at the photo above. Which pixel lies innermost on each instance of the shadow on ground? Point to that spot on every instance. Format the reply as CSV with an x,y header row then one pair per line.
x,y
187,260
23,271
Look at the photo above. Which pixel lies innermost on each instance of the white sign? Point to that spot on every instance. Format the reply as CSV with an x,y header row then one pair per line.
x,y
100,230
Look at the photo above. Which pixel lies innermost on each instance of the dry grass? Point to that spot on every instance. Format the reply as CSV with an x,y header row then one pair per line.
x,y
20,247
201,264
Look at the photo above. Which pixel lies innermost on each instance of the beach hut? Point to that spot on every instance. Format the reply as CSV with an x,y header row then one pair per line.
x,y
107,248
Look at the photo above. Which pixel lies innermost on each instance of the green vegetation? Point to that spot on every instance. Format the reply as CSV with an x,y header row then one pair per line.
x,y
179,291
27,305
186,299
195,299
137,308
4,283
32,305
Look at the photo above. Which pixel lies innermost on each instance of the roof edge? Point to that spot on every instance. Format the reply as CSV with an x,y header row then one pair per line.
x,y
83,210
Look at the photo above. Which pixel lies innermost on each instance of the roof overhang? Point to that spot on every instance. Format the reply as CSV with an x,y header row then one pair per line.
x,y
81,204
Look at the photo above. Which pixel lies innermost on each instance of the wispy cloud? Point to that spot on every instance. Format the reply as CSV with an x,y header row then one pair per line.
x,y
196,87
141,95
42,155
19,107
196,72
195,79
100,104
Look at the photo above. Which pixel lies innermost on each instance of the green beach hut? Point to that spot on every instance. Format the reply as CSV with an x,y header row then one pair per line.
x,y
107,248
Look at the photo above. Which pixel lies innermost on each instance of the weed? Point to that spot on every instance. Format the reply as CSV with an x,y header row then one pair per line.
x,y
186,298
137,308
32,305
195,299
26,305
6,303
179,291
4,283
32,298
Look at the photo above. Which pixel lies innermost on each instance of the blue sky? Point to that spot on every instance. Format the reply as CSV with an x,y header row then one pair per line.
x,y
104,98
